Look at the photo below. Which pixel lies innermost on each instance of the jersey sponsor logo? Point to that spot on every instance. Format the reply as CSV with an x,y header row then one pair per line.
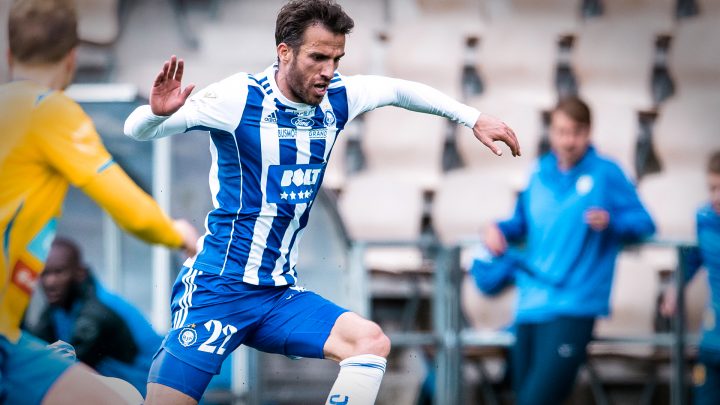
x,y
271,118
302,122
187,336
329,119
292,184
24,277
291,133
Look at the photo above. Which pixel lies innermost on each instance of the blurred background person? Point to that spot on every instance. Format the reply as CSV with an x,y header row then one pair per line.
x,y
575,214
108,333
707,253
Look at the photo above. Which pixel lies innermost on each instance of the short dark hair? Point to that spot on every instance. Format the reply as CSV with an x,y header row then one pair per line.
x,y
576,109
297,15
73,250
714,163
42,31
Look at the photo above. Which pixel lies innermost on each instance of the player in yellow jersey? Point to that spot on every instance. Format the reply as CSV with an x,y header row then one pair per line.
x,y
47,143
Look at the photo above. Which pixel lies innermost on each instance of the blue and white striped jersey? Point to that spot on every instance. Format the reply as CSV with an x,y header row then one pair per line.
x,y
269,156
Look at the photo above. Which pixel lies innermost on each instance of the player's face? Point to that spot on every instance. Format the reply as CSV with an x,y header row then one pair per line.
x,y
58,277
569,139
713,180
312,65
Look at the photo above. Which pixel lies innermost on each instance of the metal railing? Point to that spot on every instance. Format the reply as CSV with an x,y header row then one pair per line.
x,y
449,337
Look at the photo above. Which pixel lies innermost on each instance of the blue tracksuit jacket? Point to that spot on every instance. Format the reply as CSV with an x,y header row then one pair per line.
x,y
571,266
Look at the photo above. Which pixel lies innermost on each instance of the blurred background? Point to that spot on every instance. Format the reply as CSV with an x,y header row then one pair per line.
x,y
400,183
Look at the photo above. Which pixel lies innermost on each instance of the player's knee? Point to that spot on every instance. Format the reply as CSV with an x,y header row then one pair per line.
x,y
373,341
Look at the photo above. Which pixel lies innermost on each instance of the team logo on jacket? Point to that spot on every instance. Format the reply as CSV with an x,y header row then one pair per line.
x,y
302,122
187,336
584,184
293,184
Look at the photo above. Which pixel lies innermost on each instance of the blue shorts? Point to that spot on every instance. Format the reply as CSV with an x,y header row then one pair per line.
x,y
213,315
28,369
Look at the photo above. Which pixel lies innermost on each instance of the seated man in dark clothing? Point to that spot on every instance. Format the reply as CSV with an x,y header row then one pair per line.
x,y
108,333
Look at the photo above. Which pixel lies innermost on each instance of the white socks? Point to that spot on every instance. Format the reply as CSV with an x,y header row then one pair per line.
x,y
358,381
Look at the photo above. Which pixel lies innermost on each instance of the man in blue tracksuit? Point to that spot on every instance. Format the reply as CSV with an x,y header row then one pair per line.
x,y
707,371
575,215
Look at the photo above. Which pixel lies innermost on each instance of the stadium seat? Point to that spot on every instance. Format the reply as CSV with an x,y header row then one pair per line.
x,y
524,118
363,45
610,73
517,60
658,13
467,201
487,314
709,7
633,300
672,198
430,51
694,57
98,21
404,144
615,129
688,129
378,207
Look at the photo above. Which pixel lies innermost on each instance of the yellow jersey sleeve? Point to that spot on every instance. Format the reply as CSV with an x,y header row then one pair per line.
x,y
72,146
133,209
68,139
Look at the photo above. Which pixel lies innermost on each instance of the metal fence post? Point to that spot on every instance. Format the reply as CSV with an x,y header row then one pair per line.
x,y
678,346
447,325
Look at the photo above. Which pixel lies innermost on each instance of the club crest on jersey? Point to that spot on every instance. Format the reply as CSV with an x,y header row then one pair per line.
x,y
187,336
302,122
329,119
584,184
293,184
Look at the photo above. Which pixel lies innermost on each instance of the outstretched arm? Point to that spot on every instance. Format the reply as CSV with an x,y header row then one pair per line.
x,y
171,111
163,116
366,93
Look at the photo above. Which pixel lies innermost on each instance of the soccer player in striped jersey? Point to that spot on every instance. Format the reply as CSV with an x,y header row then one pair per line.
x,y
271,136
48,143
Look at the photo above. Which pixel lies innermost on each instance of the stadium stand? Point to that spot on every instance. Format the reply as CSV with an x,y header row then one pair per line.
x,y
517,61
404,145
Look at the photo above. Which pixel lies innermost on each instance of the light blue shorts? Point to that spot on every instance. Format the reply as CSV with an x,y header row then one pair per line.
x,y
28,369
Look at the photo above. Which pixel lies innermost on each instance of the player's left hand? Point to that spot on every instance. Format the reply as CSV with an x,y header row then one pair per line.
x,y
489,129
597,218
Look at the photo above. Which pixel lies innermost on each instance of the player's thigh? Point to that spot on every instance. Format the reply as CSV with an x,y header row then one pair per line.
x,y
158,394
80,385
299,324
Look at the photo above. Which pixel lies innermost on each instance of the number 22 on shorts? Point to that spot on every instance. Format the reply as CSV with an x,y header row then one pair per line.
x,y
216,329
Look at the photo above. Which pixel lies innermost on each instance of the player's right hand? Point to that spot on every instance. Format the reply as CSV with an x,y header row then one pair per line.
x,y
495,240
167,95
189,236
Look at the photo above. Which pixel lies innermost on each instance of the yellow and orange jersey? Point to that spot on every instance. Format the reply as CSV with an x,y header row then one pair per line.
x,y
48,143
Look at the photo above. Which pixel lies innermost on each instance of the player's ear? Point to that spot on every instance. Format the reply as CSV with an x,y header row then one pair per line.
x,y
284,52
